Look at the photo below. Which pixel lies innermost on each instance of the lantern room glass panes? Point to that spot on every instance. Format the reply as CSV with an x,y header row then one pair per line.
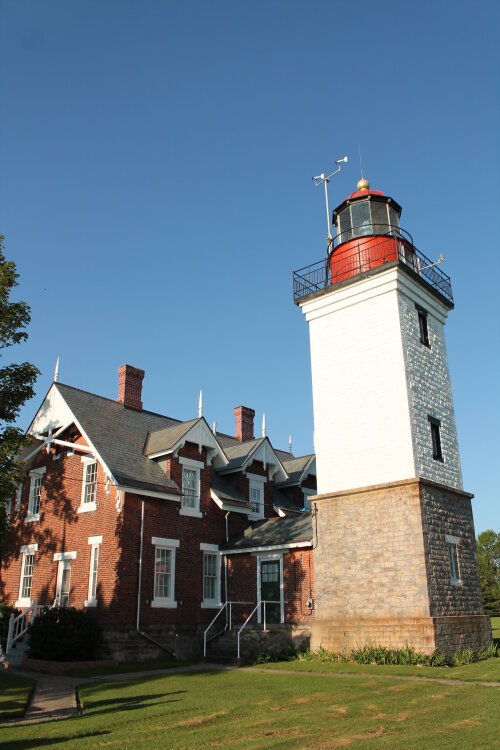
x,y
367,217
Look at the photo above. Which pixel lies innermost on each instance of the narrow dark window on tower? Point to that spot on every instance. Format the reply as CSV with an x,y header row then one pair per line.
x,y
435,424
422,324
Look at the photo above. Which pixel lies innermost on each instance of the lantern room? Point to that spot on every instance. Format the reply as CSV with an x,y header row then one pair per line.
x,y
366,212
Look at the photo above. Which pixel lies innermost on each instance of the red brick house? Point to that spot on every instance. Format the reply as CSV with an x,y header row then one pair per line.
x,y
152,524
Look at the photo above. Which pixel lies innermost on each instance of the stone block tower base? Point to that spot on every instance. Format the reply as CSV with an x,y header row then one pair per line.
x,y
382,569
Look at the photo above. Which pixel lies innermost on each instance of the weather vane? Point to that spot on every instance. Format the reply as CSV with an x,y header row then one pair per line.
x,y
322,179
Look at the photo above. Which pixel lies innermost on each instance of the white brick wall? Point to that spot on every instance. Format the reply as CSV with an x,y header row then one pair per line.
x,y
374,384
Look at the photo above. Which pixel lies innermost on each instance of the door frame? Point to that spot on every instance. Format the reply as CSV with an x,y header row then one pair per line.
x,y
62,558
265,558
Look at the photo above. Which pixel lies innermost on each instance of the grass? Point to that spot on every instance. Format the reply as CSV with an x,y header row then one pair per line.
x,y
487,671
250,710
128,666
495,627
15,693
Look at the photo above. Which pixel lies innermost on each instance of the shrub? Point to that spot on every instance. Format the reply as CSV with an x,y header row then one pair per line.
x,y
487,652
438,659
274,653
459,658
63,634
6,611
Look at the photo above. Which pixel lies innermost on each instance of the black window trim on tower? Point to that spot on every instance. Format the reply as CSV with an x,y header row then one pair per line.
x,y
437,451
423,325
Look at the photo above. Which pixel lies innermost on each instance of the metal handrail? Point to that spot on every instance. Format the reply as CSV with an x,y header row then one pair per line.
x,y
18,625
318,276
254,610
229,621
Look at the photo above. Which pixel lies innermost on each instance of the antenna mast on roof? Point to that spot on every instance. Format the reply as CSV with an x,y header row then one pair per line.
x,y
322,179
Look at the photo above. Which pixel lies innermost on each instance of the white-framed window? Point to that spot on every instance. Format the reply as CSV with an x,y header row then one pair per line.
x,y
452,543
190,505
36,477
89,487
307,493
26,582
63,585
95,542
256,495
211,575
164,578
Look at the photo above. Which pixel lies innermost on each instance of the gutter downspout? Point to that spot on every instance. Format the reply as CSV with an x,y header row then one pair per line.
x,y
139,587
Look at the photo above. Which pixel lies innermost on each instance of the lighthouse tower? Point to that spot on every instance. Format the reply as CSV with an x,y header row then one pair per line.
x,y
395,561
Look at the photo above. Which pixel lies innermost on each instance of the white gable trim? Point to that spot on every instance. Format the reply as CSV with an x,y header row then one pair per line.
x,y
200,434
265,453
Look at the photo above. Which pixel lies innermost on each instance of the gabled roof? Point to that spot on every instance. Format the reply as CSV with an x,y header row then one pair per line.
x,y
118,435
298,468
168,440
241,455
275,532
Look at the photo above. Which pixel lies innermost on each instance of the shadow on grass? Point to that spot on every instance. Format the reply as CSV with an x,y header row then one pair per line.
x,y
111,705
46,741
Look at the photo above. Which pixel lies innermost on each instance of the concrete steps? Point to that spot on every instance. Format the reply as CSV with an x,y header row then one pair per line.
x,y
17,653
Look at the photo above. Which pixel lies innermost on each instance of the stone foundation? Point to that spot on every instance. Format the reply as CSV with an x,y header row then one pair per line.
x,y
423,634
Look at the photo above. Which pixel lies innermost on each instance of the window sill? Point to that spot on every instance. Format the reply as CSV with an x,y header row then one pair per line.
x,y
90,603
455,582
23,603
256,516
32,517
163,604
87,508
211,605
193,512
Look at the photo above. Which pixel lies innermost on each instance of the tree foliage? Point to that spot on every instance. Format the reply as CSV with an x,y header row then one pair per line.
x,y
488,556
16,384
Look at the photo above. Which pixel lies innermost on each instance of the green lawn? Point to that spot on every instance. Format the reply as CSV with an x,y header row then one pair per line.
x,y
128,666
495,627
244,709
488,670
15,693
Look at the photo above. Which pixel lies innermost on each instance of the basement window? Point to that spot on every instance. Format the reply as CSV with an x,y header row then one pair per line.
x,y
435,424
422,325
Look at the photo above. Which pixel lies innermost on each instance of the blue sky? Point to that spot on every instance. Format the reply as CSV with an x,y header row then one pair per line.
x,y
156,192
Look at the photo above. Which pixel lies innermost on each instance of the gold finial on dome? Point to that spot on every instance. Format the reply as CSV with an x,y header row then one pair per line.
x,y
363,184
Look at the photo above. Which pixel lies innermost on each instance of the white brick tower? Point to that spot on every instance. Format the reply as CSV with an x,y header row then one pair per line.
x,y
395,560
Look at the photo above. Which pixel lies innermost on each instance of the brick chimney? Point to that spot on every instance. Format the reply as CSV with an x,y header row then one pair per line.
x,y
243,417
130,387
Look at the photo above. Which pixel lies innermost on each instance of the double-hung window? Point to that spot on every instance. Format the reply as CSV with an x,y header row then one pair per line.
x,y
164,573
63,584
95,542
191,486
89,488
452,544
211,575
27,566
36,477
256,490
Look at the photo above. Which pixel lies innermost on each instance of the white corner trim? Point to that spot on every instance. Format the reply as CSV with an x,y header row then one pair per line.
x,y
451,539
207,547
87,507
95,540
160,541
193,512
28,549
38,472
191,462
64,556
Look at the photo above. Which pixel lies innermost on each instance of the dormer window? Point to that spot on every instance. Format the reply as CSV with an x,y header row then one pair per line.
x,y
256,495
190,505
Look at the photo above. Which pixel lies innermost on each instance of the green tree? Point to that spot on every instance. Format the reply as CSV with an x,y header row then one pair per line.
x,y
16,385
488,556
